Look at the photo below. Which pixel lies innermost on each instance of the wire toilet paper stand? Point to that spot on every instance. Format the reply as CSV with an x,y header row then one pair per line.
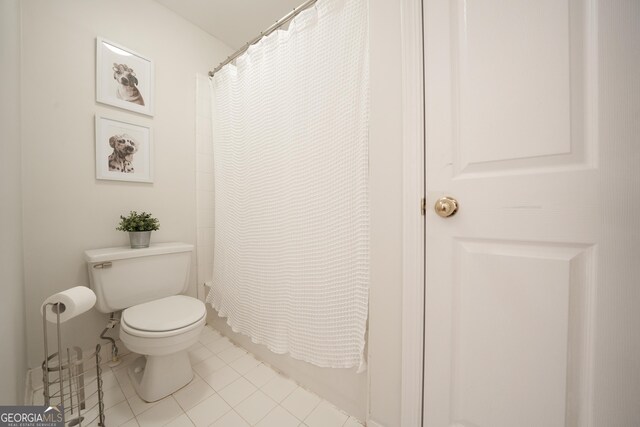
x,y
67,383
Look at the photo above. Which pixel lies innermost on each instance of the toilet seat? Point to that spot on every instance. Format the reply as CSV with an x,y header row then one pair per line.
x,y
161,331
165,317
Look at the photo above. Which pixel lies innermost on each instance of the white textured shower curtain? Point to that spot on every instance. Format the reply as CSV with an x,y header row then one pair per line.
x,y
291,258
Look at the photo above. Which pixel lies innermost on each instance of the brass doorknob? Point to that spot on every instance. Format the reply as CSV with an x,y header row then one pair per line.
x,y
446,206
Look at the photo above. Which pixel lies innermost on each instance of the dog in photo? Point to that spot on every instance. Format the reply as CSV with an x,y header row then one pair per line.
x,y
127,84
124,147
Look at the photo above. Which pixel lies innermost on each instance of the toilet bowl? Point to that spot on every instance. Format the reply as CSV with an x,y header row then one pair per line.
x,y
157,321
162,330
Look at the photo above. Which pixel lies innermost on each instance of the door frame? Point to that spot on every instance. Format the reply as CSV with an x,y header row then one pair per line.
x,y
413,224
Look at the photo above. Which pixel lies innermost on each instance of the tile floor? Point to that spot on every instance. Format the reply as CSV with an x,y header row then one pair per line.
x,y
230,389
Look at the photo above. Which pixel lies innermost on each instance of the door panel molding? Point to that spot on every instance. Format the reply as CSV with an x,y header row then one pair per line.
x,y
558,281
542,114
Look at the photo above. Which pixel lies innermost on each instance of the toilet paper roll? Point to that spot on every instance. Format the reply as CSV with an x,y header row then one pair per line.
x,y
74,302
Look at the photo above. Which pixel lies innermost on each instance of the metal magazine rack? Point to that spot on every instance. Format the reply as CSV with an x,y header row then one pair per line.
x,y
72,379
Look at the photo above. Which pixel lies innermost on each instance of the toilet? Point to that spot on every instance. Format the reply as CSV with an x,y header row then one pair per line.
x,y
157,321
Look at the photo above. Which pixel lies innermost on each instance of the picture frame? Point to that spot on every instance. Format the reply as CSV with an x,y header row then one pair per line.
x,y
124,150
124,78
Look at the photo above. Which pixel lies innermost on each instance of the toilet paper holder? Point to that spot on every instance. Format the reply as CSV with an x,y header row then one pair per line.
x,y
75,392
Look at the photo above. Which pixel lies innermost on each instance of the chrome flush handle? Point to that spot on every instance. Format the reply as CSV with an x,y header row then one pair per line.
x,y
103,265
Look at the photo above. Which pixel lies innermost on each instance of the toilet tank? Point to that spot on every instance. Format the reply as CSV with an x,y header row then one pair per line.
x,y
123,277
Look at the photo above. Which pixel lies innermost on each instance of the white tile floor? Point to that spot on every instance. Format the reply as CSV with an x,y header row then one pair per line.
x,y
230,389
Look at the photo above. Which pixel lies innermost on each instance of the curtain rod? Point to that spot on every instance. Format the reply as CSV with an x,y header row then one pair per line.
x,y
279,23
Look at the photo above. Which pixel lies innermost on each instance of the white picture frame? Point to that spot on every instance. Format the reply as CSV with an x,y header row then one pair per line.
x,y
124,150
124,78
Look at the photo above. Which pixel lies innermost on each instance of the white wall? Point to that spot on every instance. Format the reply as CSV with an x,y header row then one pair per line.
x,y
616,370
12,315
204,183
385,303
66,210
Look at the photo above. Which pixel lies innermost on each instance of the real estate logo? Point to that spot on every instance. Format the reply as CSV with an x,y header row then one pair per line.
x,y
32,416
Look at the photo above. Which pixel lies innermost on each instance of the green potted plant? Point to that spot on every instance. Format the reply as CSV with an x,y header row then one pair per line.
x,y
139,227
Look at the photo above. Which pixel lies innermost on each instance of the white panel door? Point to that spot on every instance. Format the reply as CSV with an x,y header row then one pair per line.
x,y
511,133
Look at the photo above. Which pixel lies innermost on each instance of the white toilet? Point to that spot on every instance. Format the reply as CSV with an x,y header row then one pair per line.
x,y
157,321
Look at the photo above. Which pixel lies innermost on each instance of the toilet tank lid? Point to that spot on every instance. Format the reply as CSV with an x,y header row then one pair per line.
x,y
125,252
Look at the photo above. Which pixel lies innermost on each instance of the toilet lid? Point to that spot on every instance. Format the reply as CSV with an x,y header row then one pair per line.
x,y
166,314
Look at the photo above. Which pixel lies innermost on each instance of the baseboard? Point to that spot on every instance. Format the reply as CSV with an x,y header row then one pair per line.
x,y
371,423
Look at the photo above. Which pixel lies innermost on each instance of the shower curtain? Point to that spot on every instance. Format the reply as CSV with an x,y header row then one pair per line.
x,y
291,256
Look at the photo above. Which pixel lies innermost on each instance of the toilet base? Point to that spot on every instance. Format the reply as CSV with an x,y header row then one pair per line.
x,y
155,377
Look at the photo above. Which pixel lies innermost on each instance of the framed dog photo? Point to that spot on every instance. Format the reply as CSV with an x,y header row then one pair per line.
x,y
124,78
124,151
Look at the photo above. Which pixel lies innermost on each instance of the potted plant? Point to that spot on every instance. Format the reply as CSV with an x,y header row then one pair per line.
x,y
139,227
